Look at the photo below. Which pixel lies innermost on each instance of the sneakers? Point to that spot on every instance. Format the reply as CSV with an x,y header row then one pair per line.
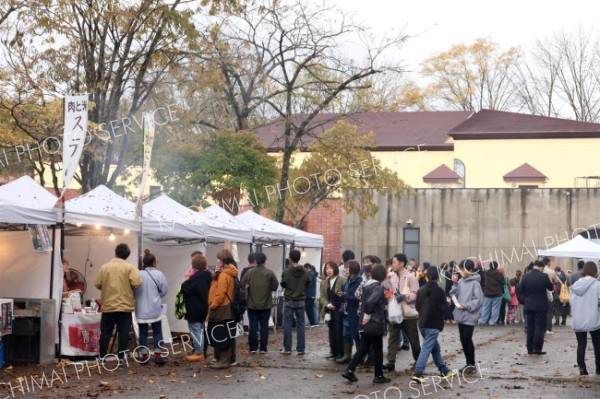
x,y
448,374
405,347
389,366
212,361
300,353
195,357
263,352
349,375
468,369
418,378
253,352
233,363
550,332
161,361
287,353
381,380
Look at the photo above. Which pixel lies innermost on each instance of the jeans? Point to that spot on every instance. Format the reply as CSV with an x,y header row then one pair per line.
x,y
409,326
369,342
430,346
581,345
197,331
536,329
350,329
258,319
156,334
309,303
490,310
107,324
297,309
405,340
465,332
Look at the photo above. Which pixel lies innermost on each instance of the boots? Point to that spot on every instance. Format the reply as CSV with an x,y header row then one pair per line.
x,y
223,362
347,355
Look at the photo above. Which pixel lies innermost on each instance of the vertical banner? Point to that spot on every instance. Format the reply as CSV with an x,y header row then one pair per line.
x,y
75,125
148,143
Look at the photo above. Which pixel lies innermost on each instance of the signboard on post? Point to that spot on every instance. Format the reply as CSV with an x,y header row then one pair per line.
x,y
75,125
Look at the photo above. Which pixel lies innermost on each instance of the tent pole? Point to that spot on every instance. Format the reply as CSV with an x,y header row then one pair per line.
x,y
52,260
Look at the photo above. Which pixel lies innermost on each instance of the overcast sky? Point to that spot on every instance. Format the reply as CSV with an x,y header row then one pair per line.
x,y
440,24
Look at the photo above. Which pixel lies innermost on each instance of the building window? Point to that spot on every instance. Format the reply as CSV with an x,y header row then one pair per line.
x,y
411,238
459,169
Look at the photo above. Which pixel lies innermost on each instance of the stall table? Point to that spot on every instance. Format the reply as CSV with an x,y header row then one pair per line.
x,y
80,334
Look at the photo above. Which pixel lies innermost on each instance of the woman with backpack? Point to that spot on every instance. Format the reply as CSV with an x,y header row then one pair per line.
x,y
221,324
561,304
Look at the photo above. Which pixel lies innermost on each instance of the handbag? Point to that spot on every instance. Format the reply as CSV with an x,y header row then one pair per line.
x,y
394,312
408,312
505,294
375,326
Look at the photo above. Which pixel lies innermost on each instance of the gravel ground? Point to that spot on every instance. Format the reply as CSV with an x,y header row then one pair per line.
x,y
505,372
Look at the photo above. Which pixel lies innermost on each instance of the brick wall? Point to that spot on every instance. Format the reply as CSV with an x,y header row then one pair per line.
x,y
327,221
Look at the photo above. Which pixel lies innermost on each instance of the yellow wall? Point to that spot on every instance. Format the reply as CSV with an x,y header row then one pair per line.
x,y
561,160
410,165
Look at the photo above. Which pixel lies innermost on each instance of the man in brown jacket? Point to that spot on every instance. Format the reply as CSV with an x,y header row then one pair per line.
x,y
117,280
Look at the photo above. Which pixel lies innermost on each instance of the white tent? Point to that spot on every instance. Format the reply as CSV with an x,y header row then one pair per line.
x,y
578,247
24,201
103,207
265,230
166,218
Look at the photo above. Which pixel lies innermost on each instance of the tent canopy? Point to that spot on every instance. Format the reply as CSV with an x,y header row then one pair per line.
x,y
578,247
165,218
305,239
101,206
24,201
265,230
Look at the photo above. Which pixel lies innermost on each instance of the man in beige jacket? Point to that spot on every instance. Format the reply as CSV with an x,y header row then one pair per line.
x,y
117,280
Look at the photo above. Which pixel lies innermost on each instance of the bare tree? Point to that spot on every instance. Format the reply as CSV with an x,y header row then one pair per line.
x,y
285,59
473,77
117,51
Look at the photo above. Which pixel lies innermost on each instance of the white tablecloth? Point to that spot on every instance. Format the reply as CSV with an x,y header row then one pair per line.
x,y
80,334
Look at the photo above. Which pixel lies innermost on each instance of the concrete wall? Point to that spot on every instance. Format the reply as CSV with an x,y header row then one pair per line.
x,y
507,225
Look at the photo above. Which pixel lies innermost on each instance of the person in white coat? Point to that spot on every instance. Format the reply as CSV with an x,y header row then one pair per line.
x,y
585,310
148,307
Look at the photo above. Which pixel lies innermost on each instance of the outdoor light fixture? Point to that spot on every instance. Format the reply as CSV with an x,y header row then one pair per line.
x,y
409,221
98,226
111,237
126,231
78,224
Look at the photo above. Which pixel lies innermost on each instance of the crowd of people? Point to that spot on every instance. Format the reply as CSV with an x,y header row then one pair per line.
x,y
359,301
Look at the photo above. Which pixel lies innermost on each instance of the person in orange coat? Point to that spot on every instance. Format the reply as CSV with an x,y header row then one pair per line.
x,y
222,328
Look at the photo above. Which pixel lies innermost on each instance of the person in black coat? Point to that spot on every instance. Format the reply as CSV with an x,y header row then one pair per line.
x,y
195,295
431,304
533,287
373,326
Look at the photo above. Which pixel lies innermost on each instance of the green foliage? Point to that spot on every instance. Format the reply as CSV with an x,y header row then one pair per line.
x,y
220,166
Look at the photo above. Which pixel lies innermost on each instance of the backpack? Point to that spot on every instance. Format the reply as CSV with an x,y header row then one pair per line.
x,y
564,294
180,310
239,302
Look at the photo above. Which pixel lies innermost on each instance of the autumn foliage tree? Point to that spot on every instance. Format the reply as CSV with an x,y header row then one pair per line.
x,y
340,165
472,77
